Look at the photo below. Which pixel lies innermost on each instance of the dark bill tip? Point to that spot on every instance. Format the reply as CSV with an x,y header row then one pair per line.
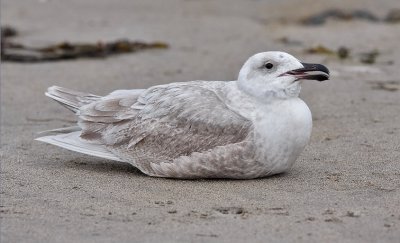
x,y
318,77
315,71
315,67
311,71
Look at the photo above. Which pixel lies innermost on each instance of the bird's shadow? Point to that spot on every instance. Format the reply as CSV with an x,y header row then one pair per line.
x,y
103,166
116,167
271,177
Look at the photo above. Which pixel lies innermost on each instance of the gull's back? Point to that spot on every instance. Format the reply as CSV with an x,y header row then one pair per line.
x,y
182,130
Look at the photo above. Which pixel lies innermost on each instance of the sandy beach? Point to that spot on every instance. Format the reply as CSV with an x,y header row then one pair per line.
x,y
345,187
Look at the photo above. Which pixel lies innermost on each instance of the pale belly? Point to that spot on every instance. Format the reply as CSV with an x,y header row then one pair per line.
x,y
281,131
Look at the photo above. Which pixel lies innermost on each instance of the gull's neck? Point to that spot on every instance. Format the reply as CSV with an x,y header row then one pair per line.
x,y
266,93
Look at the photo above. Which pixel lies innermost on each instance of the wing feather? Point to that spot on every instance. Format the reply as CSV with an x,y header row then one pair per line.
x,y
164,122
72,141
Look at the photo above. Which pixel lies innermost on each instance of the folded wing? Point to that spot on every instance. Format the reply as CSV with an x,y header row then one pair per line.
x,y
164,122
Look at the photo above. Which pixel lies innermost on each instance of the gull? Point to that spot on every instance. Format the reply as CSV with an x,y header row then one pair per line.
x,y
253,127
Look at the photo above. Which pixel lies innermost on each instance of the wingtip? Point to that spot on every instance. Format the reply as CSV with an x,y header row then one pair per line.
x,y
42,138
72,141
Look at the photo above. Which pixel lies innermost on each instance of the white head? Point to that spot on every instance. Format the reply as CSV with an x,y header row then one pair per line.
x,y
277,74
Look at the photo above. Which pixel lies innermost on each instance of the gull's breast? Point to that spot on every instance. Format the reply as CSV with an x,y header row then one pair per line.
x,y
281,131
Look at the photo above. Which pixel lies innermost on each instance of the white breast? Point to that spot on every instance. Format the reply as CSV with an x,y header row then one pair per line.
x,y
282,127
282,130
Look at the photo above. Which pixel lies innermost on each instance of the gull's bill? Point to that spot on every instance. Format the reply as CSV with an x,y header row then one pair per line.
x,y
310,71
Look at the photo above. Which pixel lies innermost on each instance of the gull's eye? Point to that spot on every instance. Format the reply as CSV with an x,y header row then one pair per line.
x,y
269,65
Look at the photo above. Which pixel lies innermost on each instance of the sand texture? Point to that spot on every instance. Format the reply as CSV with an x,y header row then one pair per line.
x,y
345,187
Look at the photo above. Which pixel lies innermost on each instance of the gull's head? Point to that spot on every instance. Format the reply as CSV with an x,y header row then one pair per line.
x,y
277,74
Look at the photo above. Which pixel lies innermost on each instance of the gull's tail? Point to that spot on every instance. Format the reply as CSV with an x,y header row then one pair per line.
x,y
71,99
69,137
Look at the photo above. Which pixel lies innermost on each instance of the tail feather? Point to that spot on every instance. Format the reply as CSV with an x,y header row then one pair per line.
x,y
71,99
73,142
69,137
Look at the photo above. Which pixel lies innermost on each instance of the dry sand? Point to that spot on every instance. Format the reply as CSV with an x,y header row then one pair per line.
x,y
343,188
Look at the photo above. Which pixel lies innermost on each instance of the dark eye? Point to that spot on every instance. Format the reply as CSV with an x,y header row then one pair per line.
x,y
269,65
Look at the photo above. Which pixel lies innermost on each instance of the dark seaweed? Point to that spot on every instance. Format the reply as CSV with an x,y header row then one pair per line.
x,y
338,14
15,52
